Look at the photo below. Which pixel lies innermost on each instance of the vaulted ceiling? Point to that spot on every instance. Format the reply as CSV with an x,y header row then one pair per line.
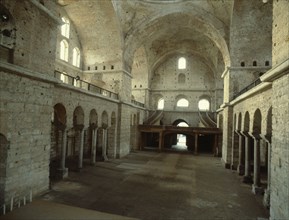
x,y
117,28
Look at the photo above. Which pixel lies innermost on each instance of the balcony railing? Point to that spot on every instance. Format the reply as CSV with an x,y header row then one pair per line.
x,y
247,88
77,82
137,103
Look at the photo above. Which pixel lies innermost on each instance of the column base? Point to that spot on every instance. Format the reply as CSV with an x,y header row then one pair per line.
x,y
266,199
257,190
233,167
247,179
241,170
62,173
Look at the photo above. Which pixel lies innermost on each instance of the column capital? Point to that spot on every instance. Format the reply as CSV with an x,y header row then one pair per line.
x,y
93,126
79,127
266,137
245,133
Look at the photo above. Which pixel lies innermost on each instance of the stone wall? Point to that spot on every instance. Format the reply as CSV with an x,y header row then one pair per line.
x,y
280,152
26,108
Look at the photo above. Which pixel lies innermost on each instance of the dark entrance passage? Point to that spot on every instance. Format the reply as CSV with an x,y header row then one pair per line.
x,y
206,144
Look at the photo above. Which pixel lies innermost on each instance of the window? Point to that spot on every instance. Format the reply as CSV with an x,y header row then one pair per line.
x,y
76,57
204,105
64,50
161,104
65,28
181,78
183,103
182,63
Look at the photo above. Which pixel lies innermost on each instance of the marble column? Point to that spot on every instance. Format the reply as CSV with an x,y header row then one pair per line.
x,y
241,167
266,198
247,177
104,144
93,146
63,171
256,187
80,158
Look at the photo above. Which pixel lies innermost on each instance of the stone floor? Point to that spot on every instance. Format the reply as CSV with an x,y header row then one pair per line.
x,y
151,185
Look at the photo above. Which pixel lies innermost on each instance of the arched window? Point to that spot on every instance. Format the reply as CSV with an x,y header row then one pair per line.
x,y
181,78
64,50
183,103
204,105
182,63
161,104
76,57
65,28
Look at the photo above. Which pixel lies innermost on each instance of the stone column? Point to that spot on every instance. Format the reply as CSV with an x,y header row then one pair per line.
x,y
256,187
63,171
104,144
240,168
63,149
80,158
247,177
93,147
266,198
196,144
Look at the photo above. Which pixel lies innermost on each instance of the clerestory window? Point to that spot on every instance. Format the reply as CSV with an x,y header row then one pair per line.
x,y
64,50
161,104
183,103
76,57
182,63
204,105
65,28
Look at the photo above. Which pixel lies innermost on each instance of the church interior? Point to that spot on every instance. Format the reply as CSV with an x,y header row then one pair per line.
x,y
89,82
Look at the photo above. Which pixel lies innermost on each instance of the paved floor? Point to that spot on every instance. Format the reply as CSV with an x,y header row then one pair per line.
x,y
150,185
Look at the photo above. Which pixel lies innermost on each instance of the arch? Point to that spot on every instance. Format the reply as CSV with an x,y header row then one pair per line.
x,y
182,63
161,104
93,117
59,114
65,27
182,103
78,116
76,57
257,122
246,124
3,161
178,121
104,119
269,122
63,50
206,25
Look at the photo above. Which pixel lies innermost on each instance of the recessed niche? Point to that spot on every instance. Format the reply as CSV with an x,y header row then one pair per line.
x,y
112,67
254,63
95,68
103,67
242,63
88,68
